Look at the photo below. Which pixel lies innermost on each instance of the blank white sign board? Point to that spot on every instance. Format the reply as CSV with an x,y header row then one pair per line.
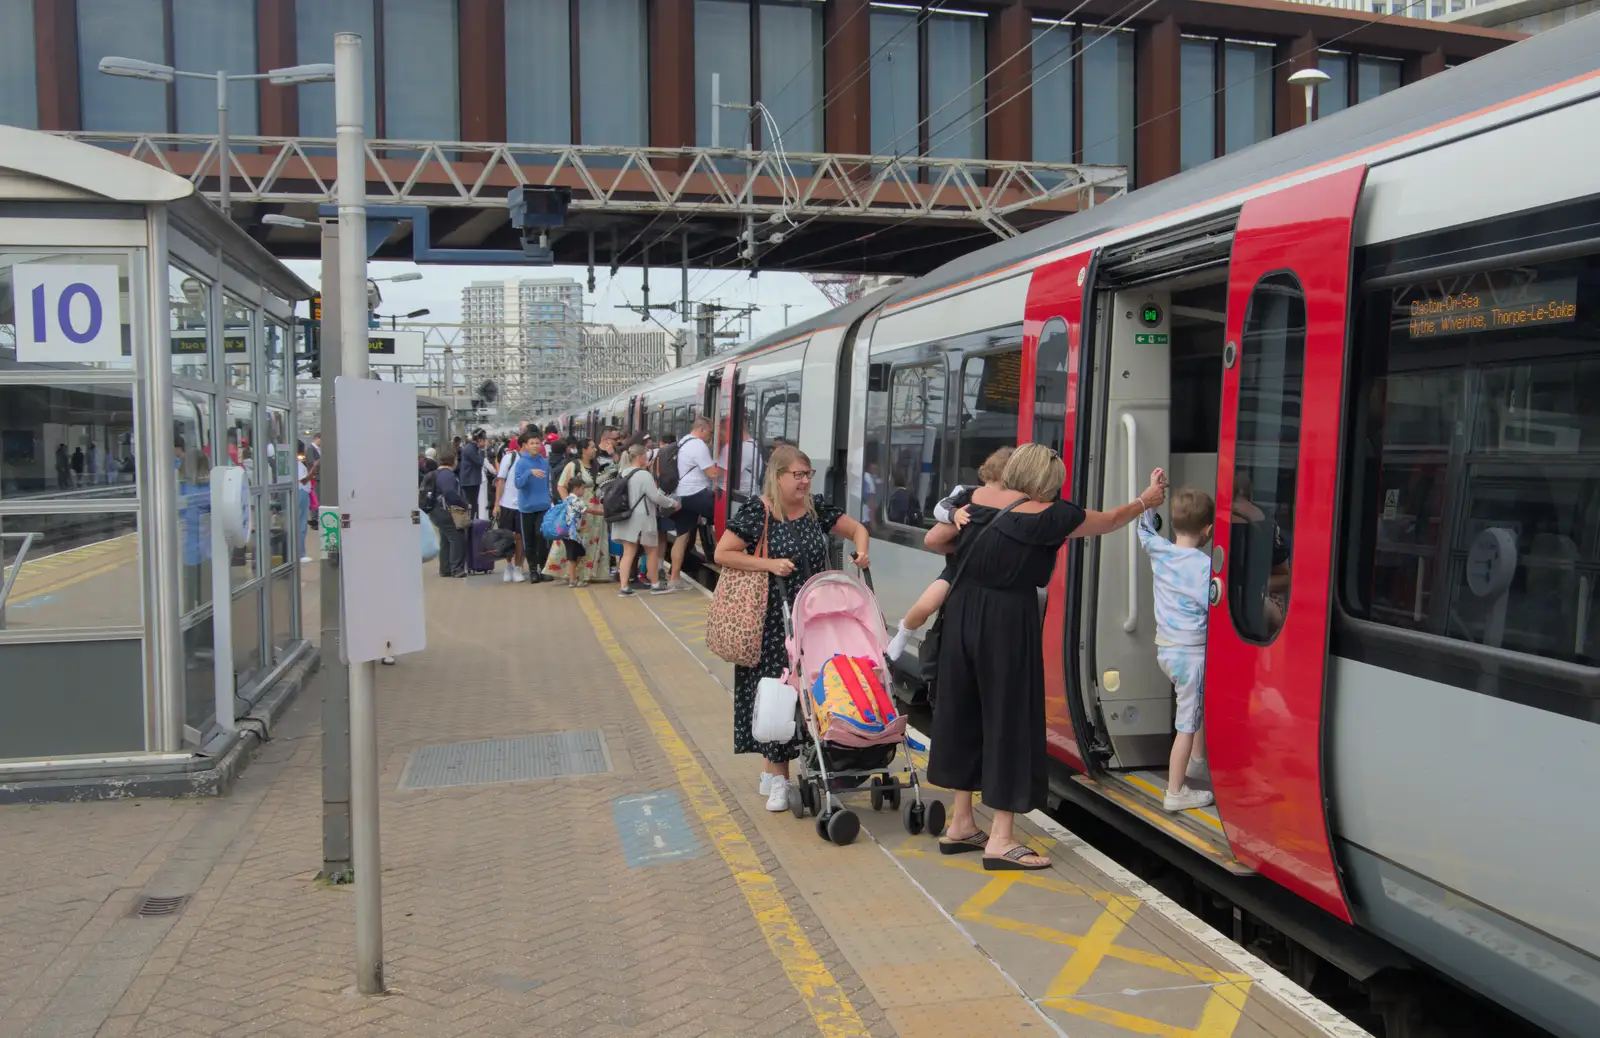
x,y
380,565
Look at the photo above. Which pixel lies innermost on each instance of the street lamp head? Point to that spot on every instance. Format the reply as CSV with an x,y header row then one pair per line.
x,y
410,276
279,220
295,75
413,315
1309,77
133,68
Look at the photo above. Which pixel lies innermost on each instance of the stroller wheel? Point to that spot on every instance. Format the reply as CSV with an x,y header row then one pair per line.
x,y
891,796
936,818
843,827
822,825
877,792
911,817
797,799
808,796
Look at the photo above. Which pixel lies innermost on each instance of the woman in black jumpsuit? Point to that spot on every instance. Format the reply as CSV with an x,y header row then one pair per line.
x,y
989,720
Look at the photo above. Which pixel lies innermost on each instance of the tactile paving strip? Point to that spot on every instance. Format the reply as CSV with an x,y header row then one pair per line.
x,y
489,761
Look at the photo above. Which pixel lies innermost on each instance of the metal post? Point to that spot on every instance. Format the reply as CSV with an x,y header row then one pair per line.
x,y
1311,95
684,299
335,683
222,141
716,108
349,122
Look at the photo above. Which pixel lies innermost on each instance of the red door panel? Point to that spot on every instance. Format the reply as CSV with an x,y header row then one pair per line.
x,y
1264,696
1056,291
724,414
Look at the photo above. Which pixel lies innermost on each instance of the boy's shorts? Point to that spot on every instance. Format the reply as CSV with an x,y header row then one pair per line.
x,y
1185,665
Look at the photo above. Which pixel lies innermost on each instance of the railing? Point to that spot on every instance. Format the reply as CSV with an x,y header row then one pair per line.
x,y
12,571
1427,10
649,181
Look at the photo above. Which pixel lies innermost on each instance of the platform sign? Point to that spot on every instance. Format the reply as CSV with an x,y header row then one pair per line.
x,y
1150,339
67,313
395,348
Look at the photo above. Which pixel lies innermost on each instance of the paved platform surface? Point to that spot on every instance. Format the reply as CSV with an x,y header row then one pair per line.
x,y
651,895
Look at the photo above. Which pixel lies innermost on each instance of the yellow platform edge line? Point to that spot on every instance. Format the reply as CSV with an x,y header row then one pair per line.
x,y
827,1003
1150,787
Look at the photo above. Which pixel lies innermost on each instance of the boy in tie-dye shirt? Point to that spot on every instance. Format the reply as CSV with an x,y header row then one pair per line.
x,y
1182,570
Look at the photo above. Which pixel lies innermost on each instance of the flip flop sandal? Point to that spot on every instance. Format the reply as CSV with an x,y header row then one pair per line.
x,y
1012,861
975,842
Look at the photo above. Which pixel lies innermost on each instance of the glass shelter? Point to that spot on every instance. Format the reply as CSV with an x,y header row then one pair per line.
x,y
143,351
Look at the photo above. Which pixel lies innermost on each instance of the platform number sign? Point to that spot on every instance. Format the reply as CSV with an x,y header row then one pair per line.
x,y
67,313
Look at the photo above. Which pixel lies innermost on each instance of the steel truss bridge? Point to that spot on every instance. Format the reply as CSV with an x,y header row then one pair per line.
x,y
644,206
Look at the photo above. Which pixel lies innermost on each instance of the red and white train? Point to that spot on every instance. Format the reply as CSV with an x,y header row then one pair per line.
x,y
1376,340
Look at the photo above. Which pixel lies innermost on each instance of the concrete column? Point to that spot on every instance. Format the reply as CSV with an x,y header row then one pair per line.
x,y
1010,128
847,119
1289,102
482,66
55,47
276,47
1156,153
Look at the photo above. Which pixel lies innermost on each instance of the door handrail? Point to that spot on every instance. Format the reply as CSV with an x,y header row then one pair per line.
x,y
1131,427
12,570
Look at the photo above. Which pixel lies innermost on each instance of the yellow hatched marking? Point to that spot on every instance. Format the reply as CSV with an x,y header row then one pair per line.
x,y
827,1003
1229,991
1195,813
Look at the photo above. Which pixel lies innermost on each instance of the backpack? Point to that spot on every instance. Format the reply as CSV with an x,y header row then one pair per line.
x,y
667,468
614,500
428,493
852,708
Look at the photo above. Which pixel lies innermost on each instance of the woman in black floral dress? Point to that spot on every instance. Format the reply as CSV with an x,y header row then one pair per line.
x,y
797,526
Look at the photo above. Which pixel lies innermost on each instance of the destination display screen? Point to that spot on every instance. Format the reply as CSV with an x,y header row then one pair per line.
x,y
1000,385
1495,301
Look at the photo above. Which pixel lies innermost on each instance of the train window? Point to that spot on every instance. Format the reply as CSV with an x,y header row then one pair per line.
x,y
1475,468
991,389
1050,386
912,444
1266,453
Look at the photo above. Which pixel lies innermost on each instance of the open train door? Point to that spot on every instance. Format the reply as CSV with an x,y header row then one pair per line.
x,y
1277,470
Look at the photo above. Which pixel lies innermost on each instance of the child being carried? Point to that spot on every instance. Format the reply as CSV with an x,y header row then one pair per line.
x,y
945,512
1182,571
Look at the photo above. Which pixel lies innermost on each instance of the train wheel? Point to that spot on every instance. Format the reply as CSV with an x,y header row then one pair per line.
x,y
843,827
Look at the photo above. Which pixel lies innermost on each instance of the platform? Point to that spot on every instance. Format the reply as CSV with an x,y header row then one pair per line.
x,y
571,848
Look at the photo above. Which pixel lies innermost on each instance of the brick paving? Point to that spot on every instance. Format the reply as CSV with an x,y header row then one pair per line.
x,y
509,909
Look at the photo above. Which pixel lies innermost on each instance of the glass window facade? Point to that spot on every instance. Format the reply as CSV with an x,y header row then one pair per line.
x,y
1334,95
896,81
613,72
791,72
19,82
65,442
420,82
722,47
208,35
1247,116
956,126
1197,84
59,587
1052,94
538,72
1375,76
238,342
193,450
1107,61
315,25
127,29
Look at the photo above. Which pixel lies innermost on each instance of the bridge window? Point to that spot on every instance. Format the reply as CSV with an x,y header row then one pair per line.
x,y
1240,73
315,25
1376,76
213,34
420,80
1334,95
1247,94
538,72
722,46
1071,62
613,72
927,83
1266,455
791,73
1107,70
129,29
19,84
1197,84
955,88
1054,89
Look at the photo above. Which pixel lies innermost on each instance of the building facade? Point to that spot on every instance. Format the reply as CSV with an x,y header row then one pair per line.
x,y
615,358
524,335
1157,88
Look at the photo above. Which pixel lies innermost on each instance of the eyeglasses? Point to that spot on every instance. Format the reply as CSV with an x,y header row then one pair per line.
x,y
801,477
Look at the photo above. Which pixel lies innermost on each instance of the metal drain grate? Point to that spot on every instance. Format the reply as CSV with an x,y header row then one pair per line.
x,y
148,907
490,761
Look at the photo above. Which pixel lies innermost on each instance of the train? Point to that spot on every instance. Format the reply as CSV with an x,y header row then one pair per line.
x,y
1376,336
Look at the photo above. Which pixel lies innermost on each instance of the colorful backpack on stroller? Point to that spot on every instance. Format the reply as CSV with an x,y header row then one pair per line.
x,y
851,706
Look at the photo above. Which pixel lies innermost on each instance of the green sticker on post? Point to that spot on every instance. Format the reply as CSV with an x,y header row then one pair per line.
x,y
1150,339
328,525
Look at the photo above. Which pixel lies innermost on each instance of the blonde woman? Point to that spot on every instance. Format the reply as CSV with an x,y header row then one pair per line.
x,y
797,526
988,722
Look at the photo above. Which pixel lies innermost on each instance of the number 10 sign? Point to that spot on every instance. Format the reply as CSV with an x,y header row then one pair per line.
x,y
67,313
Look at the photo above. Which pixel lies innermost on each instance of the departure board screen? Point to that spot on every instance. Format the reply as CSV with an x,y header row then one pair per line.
x,y
1000,386
1494,301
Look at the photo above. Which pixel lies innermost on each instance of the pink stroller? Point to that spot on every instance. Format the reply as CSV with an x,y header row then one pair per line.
x,y
834,614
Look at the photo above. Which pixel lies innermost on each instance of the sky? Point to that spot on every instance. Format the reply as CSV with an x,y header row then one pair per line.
x,y
440,291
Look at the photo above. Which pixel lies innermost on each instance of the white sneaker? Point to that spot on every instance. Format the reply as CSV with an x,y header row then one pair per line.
x,y
898,643
766,782
304,559
517,576
1198,769
508,578
1186,799
778,798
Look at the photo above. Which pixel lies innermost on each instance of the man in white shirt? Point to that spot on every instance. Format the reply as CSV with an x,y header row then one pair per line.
x,y
696,502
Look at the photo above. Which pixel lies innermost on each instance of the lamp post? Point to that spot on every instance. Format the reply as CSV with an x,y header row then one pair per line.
x,y
1310,78
293,75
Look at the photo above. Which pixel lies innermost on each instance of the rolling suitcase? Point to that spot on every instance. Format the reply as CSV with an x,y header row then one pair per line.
x,y
479,558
